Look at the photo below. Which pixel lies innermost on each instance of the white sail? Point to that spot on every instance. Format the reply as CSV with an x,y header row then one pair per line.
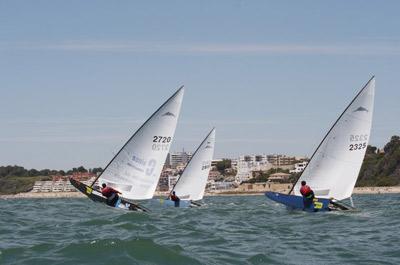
x,y
333,169
192,182
136,168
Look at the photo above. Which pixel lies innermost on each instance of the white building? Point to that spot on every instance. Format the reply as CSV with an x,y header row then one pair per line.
x,y
178,158
299,167
172,181
281,160
246,164
57,186
220,185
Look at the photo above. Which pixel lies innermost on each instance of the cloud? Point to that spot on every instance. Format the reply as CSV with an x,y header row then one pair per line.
x,y
360,48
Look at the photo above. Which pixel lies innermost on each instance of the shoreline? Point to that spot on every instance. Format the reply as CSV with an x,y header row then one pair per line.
x,y
44,195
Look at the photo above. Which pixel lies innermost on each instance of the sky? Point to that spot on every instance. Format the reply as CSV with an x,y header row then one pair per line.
x,y
77,78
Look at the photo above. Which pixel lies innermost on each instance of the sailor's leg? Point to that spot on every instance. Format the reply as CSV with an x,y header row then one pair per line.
x,y
115,200
307,202
112,199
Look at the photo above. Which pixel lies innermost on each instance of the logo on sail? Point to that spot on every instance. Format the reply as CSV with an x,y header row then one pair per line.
x,y
137,163
361,109
169,114
208,145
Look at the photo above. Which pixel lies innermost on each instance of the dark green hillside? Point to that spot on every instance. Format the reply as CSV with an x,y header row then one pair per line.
x,y
16,179
381,167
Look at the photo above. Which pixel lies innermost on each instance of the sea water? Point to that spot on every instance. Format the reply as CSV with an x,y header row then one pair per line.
x,y
226,230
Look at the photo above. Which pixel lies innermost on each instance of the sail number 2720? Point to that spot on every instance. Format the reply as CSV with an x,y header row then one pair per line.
x,y
161,139
161,143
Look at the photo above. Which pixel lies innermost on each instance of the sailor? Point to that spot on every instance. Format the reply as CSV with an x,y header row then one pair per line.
x,y
308,194
174,198
110,194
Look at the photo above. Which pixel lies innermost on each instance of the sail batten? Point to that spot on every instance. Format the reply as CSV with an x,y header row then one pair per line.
x,y
192,183
136,168
335,165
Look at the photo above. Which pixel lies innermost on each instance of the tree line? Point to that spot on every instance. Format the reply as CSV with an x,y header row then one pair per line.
x,y
18,171
381,167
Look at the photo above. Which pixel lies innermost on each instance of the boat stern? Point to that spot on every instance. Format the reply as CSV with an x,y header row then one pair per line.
x,y
297,202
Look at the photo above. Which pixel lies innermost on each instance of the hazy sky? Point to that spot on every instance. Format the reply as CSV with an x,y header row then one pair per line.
x,y
77,78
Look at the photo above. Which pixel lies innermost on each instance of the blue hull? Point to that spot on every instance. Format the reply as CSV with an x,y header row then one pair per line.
x,y
297,203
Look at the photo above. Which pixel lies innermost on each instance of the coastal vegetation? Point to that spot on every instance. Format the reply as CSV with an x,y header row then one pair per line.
x,y
381,167
16,179
224,167
14,184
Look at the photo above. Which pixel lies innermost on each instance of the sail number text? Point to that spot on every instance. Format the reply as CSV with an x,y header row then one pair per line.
x,y
358,137
161,139
161,143
359,146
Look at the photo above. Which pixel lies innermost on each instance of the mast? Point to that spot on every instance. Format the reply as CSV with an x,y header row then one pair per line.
x,y
326,135
109,163
195,152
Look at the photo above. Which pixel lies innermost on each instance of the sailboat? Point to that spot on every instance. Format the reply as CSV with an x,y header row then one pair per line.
x,y
135,169
334,166
191,184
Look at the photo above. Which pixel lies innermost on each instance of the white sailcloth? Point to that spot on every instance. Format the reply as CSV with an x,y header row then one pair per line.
x,y
333,169
192,182
136,169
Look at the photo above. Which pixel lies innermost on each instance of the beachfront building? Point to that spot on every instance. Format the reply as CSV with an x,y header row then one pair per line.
x,y
178,159
253,162
220,185
278,160
279,177
299,167
246,164
57,185
172,181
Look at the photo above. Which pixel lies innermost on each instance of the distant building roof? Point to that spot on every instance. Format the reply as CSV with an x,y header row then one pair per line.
x,y
279,176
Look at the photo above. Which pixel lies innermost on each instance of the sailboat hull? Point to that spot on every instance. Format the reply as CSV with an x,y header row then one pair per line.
x,y
297,203
180,204
96,196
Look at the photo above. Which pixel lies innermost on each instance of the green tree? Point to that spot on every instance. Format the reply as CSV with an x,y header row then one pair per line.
x,y
381,169
224,164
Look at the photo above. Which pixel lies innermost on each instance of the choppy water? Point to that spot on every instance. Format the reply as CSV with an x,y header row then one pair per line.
x,y
228,230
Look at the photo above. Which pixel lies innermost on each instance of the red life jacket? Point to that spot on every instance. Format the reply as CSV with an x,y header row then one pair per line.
x,y
174,198
305,190
108,192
